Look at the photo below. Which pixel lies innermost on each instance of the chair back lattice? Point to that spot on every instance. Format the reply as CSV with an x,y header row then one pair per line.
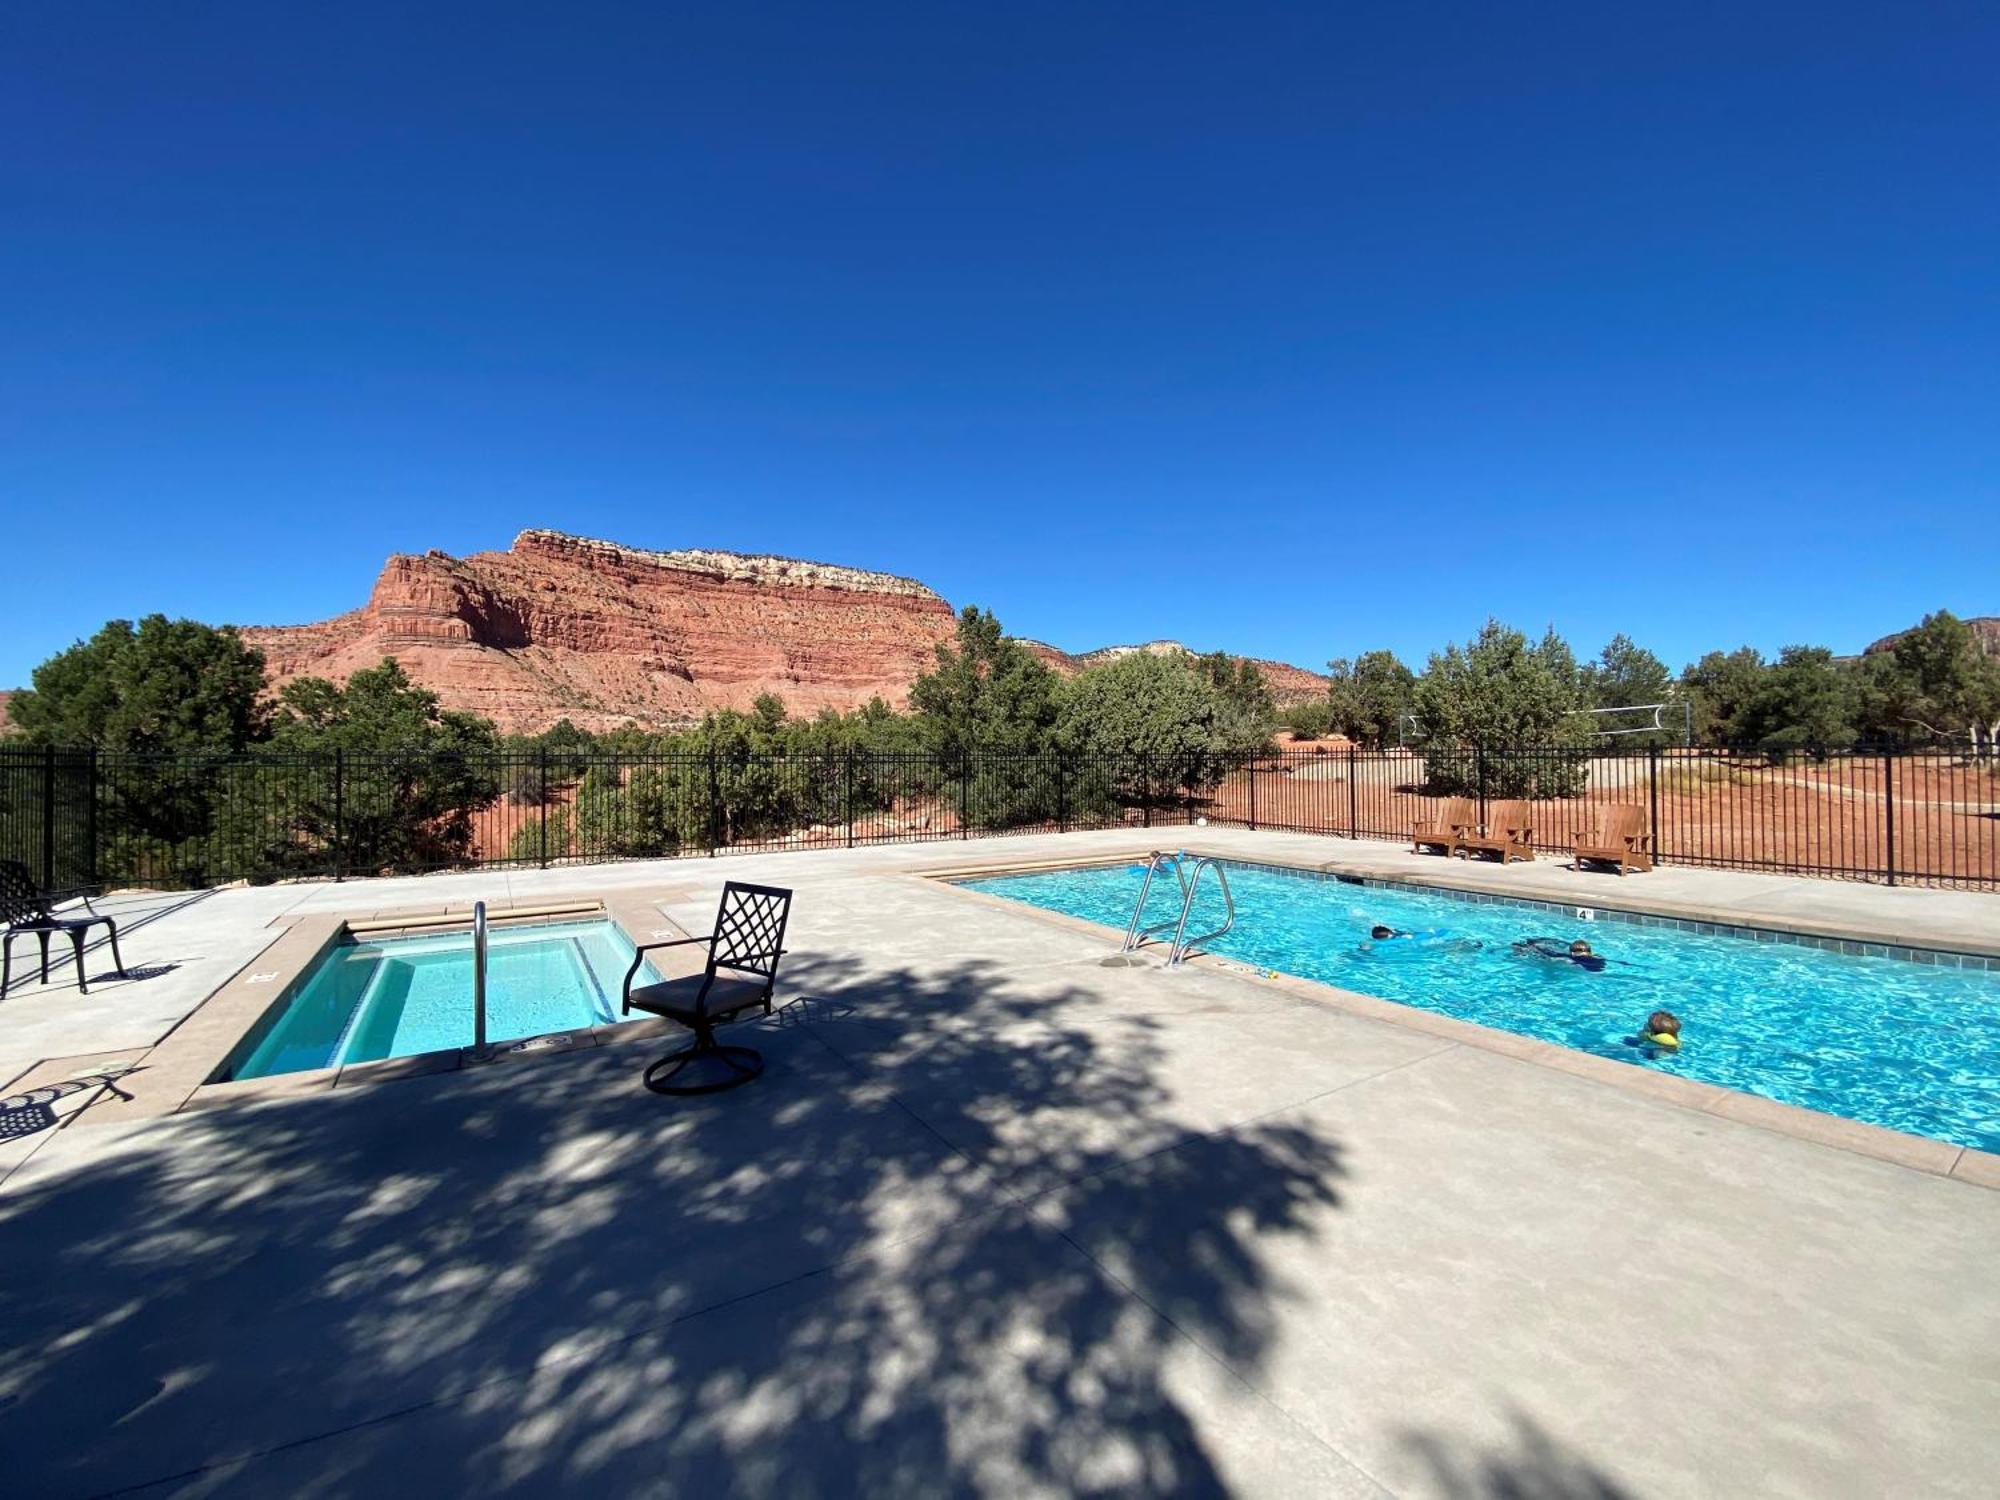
x,y
750,929
21,900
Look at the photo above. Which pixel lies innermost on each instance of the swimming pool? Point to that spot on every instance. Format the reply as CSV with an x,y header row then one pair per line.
x,y
370,1000
1913,1046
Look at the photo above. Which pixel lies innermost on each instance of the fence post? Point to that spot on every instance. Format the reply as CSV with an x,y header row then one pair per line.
x,y
339,814
48,817
1479,774
1889,815
542,799
1146,788
1653,794
847,792
1062,795
965,794
714,804
90,819
1253,791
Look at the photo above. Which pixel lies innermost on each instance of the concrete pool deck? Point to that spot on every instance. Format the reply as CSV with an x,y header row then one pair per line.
x,y
997,1219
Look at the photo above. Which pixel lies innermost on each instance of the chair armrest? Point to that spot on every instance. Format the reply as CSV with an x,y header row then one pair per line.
x,y
639,952
671,943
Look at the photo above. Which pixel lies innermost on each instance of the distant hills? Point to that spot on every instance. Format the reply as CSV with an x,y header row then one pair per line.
x,y
1985,627
560,626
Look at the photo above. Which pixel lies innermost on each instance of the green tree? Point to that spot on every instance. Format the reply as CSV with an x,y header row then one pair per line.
x,y
1311,719
1805,701
1720,689
1248,710
990,696
412,772
173,700
166,687
1626,674
529,844
1512,703
1151,723
986,692
1367,697
1935,683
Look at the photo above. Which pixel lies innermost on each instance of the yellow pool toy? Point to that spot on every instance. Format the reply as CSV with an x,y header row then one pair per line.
x,y
1664,1039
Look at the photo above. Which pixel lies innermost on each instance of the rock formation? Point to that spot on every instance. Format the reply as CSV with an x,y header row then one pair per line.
x,y
1985,630
560,626
564,627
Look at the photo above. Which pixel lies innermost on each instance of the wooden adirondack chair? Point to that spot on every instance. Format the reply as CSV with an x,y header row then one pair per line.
x,y
1622,838
1509,834
1444,826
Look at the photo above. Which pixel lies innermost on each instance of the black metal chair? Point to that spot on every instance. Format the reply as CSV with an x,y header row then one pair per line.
x,y
748,941
26,907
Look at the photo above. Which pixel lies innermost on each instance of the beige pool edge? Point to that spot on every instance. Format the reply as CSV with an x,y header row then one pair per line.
x,y
1965,1164
179,1071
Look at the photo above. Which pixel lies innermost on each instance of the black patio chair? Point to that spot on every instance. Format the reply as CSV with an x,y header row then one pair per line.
x,y
26,907
743,954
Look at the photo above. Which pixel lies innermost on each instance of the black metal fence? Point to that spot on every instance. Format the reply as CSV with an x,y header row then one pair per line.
x,y
79,817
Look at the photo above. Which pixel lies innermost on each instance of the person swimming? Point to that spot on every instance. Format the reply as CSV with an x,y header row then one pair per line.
x,y
1554,950
1661,1033
1433,940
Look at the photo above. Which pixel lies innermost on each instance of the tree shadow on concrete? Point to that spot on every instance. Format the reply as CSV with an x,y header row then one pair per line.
x,y
536,1277
1533,1466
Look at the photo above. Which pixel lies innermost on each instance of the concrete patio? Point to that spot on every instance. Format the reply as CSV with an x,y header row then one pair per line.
x,y
998,1220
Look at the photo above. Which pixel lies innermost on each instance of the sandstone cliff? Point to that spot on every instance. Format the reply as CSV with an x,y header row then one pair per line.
x,y
563,627
1985,629
560,626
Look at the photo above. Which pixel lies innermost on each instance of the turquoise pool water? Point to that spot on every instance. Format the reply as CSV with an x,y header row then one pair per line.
x,y
1911,1046
408,995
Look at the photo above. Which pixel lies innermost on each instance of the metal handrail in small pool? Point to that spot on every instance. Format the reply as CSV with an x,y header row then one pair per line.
x,y
479,979
1182,947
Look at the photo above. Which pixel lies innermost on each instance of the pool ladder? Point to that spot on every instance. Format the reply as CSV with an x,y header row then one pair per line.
x,y
479,979
1187,870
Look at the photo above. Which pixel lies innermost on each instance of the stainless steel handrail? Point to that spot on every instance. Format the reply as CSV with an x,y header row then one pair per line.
x,y
1181,947
1134,934
479,979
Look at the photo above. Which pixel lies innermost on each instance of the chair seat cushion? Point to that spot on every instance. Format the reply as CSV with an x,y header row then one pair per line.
x,y
681,999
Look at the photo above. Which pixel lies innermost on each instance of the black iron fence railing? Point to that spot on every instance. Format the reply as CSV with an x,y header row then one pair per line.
x,y
78,817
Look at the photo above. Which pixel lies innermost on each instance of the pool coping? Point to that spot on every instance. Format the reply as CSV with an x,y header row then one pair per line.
x,y
1955,1163
180,1070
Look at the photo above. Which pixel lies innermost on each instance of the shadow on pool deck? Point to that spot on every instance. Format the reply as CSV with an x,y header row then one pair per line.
x,y
539,1278
1534,1467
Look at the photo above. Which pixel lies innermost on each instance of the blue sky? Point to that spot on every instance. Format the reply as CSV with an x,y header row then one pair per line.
x,y
1298,329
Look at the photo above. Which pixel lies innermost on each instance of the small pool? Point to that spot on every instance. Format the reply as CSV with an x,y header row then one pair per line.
x,y
1913,1046
369,1000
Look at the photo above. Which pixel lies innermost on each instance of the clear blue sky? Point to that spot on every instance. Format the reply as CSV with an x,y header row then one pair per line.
x,y
1297,330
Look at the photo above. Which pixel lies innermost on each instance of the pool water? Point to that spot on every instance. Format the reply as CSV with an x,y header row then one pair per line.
x,y
392,999
1912,1046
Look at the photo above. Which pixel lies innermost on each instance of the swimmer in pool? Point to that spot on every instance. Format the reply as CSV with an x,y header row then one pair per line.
x,y
1435,940
1660,1034
1556,951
